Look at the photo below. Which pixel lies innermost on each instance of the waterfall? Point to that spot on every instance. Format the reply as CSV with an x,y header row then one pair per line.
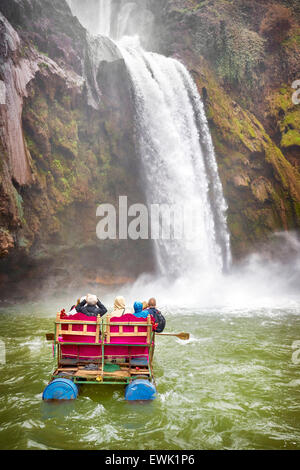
x,y
95,15
178,170
179,167
104,17
124,18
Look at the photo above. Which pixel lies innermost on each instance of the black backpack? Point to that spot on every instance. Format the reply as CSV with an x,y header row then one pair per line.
x,y
159,319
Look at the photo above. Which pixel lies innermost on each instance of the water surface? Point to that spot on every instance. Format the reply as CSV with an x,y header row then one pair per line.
x,y
233,385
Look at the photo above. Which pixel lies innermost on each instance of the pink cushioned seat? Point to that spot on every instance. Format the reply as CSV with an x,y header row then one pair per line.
x,y
92,352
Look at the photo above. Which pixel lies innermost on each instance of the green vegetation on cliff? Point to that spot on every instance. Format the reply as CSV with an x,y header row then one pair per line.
x,y
244,65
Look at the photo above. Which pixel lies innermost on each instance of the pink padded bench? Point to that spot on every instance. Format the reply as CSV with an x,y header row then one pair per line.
x,y
121,334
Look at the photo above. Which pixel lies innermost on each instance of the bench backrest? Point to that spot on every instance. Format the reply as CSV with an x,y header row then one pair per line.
x,y
123,336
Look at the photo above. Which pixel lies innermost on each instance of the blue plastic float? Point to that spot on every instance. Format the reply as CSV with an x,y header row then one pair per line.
x,y
140,389
61,389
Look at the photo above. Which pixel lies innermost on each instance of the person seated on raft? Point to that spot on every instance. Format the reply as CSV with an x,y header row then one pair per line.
x,y
138,310
119,307
152,306
91,306
157,315
72,310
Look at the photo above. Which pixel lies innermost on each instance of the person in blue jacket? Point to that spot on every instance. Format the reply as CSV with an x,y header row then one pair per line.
x,y
138,310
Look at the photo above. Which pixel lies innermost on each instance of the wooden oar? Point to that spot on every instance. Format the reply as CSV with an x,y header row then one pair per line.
x,y
183,336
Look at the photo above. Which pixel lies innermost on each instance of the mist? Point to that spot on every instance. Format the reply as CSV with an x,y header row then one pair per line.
x,y
263,283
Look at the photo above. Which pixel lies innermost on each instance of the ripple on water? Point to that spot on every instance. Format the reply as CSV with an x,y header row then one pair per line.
x,y
36,445
101,435
97,411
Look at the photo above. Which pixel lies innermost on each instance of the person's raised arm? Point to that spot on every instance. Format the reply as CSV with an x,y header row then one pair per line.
x,y
80,305
101,307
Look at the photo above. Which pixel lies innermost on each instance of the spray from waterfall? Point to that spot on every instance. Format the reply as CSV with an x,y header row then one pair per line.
x,y
94,15
124,19
104,17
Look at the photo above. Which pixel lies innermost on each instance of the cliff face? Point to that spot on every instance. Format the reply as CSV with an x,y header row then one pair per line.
x,y
67,127
68,150
244,57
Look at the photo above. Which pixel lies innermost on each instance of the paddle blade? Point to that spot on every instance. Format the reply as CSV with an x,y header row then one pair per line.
x,y
184,336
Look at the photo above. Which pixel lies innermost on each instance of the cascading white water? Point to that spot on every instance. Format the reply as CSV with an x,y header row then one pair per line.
x,y
95,16
176,171
123,19
179,164
104,17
